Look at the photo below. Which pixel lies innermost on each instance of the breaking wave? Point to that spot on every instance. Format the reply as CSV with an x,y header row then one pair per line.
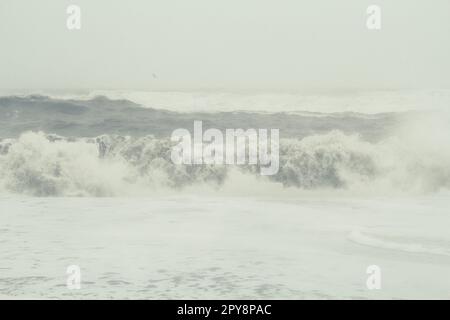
x,y
40,164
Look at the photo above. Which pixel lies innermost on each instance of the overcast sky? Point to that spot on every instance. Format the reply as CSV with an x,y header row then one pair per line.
x,y
227,44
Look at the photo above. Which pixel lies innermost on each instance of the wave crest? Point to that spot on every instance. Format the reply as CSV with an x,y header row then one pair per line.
x,y
40,164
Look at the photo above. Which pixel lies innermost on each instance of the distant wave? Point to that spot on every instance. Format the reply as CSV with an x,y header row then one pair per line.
x,y
101,115
361,102
41,164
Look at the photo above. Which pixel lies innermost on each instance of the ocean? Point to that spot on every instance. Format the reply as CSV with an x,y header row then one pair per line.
x,y
87,180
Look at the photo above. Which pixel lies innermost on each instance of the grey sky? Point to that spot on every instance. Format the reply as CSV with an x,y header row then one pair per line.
x,y
227,44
